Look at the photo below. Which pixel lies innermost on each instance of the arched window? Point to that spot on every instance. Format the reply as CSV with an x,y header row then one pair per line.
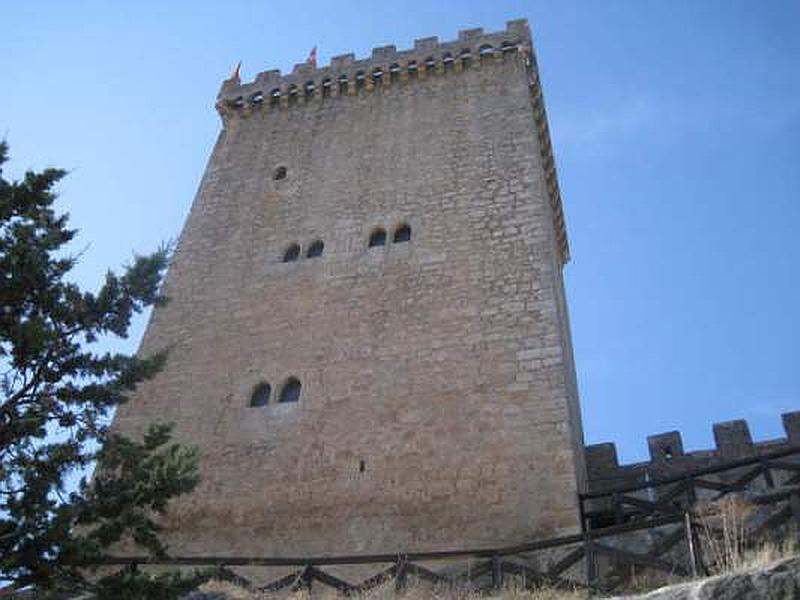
x,y
257,98
448,61
280,173
507,47
412,68
260,395
315,249
275,97
394,72
327,84
291,390
466,57
430,63
292,253
309,88
342,85
402,233
377,75
377,237
486,51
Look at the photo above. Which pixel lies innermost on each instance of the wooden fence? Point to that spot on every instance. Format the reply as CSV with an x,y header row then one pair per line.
x,y
659,514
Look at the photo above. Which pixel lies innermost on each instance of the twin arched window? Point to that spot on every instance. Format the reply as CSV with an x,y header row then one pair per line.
x,y
292,253
378,236
290,392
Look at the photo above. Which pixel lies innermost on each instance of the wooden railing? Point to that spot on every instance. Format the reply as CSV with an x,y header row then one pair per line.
x,y
596,557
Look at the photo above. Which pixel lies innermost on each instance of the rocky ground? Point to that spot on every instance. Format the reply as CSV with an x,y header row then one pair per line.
x,y
778,581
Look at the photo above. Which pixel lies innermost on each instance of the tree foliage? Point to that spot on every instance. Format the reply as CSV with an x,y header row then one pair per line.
x,y
56,394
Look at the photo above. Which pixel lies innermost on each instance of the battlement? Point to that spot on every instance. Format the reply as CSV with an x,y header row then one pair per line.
x,y
667,457
386,67
346,76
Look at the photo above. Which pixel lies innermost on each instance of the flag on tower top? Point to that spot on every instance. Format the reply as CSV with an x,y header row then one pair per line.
x,y
235,74
312,57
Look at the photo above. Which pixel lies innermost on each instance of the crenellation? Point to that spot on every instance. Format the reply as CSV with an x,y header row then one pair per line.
x,y
733,439
664,447
791,425
426,44
517,26
667,456
424,49
383,53
601,459
468,35
303,68
342,61
269,79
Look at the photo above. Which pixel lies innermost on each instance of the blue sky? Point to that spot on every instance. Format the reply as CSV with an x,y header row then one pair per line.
x,y
676,128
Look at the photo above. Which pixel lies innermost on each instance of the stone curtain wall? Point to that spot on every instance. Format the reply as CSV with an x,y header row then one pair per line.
x,y
438,406
667,457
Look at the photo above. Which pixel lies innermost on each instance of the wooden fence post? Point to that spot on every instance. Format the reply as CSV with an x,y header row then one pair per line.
x,y
687,523
794,504
497,572
401,573
589,557
616,505
582,511
767,472
306,578
691,491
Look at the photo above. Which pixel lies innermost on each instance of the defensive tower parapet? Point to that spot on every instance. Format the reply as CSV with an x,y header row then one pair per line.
x,y
386,67
668,458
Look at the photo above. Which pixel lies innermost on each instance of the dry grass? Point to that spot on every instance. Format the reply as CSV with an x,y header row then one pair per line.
x,y
726,538
724,535
387,592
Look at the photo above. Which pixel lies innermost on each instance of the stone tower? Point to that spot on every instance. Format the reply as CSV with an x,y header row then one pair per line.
x,y
368,331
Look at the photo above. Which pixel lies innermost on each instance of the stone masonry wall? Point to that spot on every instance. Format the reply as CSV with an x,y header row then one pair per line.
x,y
438,405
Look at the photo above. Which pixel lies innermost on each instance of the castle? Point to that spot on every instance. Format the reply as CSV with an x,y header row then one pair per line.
x,y
368,332
367,328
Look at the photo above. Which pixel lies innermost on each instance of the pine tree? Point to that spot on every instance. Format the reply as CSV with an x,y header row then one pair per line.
x,y
56,395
